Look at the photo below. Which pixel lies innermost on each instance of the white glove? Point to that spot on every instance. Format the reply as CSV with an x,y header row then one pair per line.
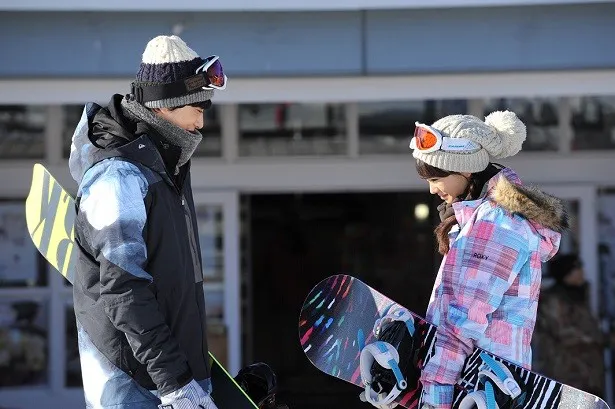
x,y
190,396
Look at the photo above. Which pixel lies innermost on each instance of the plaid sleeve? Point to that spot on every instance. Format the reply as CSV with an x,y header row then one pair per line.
x,y
482,264
438,396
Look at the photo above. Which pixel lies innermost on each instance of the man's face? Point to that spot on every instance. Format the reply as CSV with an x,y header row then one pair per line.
x,y
187,117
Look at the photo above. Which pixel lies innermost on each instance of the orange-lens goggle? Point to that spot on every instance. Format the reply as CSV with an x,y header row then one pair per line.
x,y
426,138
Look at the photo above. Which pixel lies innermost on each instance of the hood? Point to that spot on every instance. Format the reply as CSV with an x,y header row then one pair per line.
x,y
540,208
105,132
546,214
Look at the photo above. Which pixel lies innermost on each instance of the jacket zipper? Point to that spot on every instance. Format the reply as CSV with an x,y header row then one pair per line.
x,y
198,270
198,275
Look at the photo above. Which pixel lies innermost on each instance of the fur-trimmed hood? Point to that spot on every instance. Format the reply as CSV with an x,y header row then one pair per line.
x,y
538,207
546,214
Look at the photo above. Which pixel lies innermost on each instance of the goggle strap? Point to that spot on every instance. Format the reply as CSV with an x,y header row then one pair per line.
x,y
450,145
446,143
209,61
144,93
458,144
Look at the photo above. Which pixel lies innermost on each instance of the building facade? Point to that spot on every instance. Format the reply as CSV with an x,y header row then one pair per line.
x,y
322,98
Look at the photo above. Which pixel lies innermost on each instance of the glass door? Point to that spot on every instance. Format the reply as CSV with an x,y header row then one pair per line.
x,y
582,237
218,222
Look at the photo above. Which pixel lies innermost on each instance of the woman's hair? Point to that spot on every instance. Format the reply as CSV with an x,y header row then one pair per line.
x,y
426,171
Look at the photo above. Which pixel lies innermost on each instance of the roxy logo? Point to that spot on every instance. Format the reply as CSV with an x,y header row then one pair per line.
x,y
480,256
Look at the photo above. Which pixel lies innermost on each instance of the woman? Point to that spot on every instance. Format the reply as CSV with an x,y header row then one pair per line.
x,y
494,235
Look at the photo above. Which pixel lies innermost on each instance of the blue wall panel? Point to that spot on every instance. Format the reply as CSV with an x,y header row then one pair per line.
x,y
111,44
491,39
63,44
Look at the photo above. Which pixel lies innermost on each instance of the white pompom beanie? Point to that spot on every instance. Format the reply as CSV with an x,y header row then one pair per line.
x,y
499,136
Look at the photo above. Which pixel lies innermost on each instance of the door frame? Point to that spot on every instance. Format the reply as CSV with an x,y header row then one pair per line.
x,y
229,200
587,198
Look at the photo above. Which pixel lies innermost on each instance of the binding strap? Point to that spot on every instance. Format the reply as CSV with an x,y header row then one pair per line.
x,y
491,374
395,314
388,358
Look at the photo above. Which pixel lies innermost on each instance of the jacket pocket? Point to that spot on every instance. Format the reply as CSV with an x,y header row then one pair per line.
x,y
128,362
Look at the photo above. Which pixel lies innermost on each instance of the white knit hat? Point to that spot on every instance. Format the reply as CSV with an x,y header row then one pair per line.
x,y
499,136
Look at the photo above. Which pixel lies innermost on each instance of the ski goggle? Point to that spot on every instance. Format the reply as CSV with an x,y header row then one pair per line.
x,y
427,139
208,76
214,73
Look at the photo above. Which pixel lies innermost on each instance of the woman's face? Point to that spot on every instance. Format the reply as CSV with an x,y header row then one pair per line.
x,y
449,187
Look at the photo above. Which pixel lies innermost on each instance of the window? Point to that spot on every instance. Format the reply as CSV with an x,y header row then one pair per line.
x,y
386,127
571,238
540,116
593,123
24,341
211,237
292,129
210,146
22,131
73,364
606,249
210,219
24,305
72,115
20,262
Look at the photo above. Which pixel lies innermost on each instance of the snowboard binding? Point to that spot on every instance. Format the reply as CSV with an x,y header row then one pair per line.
x,y
260,382
496,388
388,364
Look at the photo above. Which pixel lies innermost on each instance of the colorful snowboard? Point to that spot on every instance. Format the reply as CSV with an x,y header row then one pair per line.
x,y
338,317
50,215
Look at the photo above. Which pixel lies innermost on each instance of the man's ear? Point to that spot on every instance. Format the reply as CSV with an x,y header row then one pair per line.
x,y
157,110
466,174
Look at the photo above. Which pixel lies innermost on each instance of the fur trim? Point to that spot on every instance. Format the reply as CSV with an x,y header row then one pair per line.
x,y
531,203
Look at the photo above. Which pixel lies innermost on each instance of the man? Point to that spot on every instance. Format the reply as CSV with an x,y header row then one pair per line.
x,y
138,290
